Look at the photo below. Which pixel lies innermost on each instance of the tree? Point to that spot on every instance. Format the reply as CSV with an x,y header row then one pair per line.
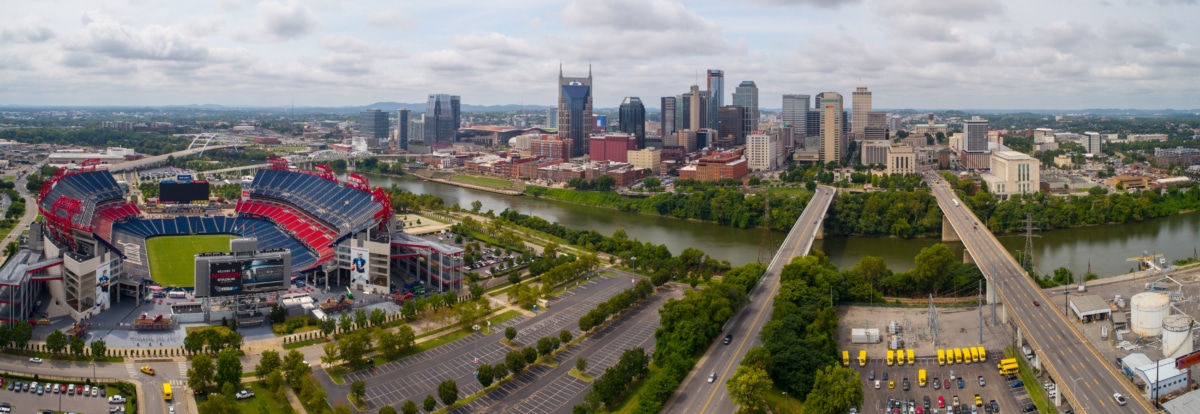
x,y
564,337
748,386
294,368
931,267
476,291
56,342
546,345
510,333
275,381
485,375
515,361
345,322
268,363
218,404
448,391
581,365
409,407
201,372
430,403
99,349
476,205
21,334
353,346
757,357
331,354
358,389
377,317
387,409
360,318
77,346
835,389
531,355
471,313
328,325
405,338
193,343
229,368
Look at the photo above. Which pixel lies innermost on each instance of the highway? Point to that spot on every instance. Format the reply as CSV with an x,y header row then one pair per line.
x,y
138,164
1082,374
696,395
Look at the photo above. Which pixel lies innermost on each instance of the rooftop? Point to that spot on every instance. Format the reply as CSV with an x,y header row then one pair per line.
x,y
1013,155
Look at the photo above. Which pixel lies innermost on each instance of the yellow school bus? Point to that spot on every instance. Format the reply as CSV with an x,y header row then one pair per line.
x,y
1009,369
982,353
958,356
891,357
921,377
974,354
862,357
899,357
1006,361
941,357
910,356
167,391
845,358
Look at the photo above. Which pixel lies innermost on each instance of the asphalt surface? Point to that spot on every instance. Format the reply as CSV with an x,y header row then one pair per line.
x,y
696,395
31,210
1087,379
152,402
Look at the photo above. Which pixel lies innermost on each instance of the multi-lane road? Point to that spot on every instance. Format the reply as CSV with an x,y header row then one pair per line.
x,y
696,395
1086,378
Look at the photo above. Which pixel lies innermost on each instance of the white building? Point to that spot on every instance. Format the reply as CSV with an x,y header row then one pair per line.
x,y
648,158
75,157
901,160
875,152
762,151
976,131
1161,377
1012,173
1147,137
1091,144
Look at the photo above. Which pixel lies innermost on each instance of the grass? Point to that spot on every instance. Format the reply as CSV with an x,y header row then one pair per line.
x,y
788,191
483,181
129,408
261,402
583,376
172,258
1036,393
779,403
224,329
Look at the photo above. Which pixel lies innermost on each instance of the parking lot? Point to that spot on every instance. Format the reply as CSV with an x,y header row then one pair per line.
x,y
29,401
996,387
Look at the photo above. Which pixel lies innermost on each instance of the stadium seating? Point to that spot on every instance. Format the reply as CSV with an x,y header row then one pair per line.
x,y
91,188
268,234
295,223
340,207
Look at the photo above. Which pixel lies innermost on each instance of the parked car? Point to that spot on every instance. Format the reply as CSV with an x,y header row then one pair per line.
x,y
244,394
116,399
1018,384
981,383
961,383
94,389
937,383
35,360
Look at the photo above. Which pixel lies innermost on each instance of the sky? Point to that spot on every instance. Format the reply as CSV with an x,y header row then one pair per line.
x,y
920,54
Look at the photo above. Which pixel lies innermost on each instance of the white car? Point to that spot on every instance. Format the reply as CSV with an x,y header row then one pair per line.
x,y
116,399
1120,399
35,360
876,384
245,394
712,377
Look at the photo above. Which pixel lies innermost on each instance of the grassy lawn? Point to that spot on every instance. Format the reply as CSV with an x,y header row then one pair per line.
x,y
1036,393
172,258
782,404
483,181
189,329
129,408
261,402
788,191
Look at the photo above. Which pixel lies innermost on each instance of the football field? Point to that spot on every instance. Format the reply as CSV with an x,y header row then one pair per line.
x,y
172,258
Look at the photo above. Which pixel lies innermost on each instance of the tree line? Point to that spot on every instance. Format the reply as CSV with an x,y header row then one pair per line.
x,y
142,142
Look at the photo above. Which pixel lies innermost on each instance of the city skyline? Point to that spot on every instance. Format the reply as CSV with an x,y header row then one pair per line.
x,y
976,54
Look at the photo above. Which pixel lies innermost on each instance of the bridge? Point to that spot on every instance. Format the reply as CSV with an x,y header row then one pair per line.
x,y
161,159
696,395
328,155
1082,374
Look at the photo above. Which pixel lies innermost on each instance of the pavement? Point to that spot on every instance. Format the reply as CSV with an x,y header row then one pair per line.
x,y
1048,331
696,395
31,211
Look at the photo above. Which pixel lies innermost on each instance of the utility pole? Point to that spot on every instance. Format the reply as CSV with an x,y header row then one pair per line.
x,y
980,304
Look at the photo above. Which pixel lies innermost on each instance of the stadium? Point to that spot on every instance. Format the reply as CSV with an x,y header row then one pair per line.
x,y
95,245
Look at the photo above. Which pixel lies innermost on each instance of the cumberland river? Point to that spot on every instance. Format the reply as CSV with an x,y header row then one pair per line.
x,y
1105,247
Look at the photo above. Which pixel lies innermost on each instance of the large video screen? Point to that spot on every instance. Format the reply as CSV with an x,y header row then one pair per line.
x,y
245,276
183,192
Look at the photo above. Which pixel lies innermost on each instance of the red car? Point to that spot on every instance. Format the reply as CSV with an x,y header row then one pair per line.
x,y
941,402
946,384
78,390
1035,303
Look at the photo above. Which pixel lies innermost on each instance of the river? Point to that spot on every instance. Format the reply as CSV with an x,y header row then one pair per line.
x,y
1104,247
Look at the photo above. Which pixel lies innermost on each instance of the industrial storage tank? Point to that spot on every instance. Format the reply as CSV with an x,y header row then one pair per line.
x,y
1177,336
1147,310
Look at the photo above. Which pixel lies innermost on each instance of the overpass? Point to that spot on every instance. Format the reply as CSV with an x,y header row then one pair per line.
x,y
696,395
1082,374
160,159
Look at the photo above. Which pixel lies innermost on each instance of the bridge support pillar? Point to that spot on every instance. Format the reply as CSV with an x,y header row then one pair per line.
x,y
991,291
1004,319
820,234
968,259
948,232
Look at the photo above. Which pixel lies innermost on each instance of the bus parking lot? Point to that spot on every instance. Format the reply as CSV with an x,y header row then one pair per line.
x,y
995,387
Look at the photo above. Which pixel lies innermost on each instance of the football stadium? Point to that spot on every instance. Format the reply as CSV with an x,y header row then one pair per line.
x,y
96,245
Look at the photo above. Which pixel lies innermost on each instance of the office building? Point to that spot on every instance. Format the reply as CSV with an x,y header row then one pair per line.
x,y
442,119
733,125
901,160
761,151
632,119
812,122
861,106
716,98
875,152
795,113
1012,173
551,146
1091,142
666,114
715,167
373,126
686,138
402,129
552,118
611,147
575,118
645,158
416,129
833,135
976,135
746,95
697,110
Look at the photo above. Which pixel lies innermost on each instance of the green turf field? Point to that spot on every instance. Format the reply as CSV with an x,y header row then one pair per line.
x,y
172,258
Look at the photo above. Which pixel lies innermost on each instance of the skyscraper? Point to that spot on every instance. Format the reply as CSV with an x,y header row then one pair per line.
x,y
632,119
833,138
575,118
795,113
442,119
373,124
858,116
666,114
812,127
402,117
746,95
691,110
552,118
716,98
696,110
976,131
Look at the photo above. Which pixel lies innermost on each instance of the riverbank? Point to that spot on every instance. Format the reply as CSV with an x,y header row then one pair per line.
x,y
430,177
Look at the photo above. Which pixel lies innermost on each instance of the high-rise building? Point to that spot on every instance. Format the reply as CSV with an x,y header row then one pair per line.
x,y
833,136
812,125
697,109
691,109
734,123
716,98
795,113
442,119
416,129
1091,142
575,118
550,146
976,135
859,112
632,119
747,95
373,125
552,118
761,150
666,114
402,118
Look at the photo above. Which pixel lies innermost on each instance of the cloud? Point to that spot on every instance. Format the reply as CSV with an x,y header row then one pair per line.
x,y
389,19
1063,35
203,25
105,36
1135,33
970,10
633,14
279,22
659,28
30,30
823,4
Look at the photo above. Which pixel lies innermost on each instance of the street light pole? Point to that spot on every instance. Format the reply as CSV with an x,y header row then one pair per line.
x,y
476,328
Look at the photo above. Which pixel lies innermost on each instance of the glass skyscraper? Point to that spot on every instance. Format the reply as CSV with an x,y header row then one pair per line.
x,y
633,119
442,119
575,119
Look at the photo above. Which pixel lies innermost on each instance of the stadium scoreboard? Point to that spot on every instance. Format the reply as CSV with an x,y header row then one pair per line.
x,y
183,190
243,272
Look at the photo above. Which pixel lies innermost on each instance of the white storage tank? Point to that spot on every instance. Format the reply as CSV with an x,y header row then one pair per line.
x,y
1147,310
1177,336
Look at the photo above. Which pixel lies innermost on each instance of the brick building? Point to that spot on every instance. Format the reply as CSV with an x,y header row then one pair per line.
x,y
611,147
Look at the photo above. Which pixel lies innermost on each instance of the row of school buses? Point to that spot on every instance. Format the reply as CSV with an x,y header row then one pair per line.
x,y
944,356
961,355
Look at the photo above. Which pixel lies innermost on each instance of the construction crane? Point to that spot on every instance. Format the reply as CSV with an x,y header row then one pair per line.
x,y
1146,261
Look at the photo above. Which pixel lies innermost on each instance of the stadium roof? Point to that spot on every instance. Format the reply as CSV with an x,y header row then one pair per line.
x,y
17,269
415,241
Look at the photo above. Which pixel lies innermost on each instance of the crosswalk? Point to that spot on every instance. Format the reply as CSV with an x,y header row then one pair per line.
x,y
183,369
133,371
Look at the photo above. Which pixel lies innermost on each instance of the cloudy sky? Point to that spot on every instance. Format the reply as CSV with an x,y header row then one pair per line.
x,y
1003,54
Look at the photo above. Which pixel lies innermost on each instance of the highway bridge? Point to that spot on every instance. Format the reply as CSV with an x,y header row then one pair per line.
x,y
696,395
1082,374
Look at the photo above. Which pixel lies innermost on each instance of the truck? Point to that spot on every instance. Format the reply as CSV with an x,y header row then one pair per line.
x,y
911,360
331,306
157,323
891,357
941,356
